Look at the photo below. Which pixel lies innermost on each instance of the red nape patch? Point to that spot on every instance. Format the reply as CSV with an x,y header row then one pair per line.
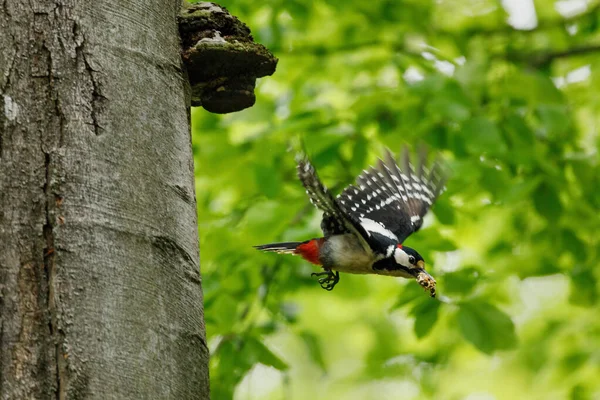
x,y
399,245
309,250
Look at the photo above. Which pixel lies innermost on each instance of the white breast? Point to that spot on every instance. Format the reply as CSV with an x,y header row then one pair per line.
x,y
344,253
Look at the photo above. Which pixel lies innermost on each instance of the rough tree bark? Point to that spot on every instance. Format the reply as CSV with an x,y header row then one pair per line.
x,y
100,291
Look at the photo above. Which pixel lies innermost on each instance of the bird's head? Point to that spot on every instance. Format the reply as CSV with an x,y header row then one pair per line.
x,y
412,262
408,258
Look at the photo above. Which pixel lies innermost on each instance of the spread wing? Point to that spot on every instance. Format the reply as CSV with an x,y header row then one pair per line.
x,y
335,219
391,200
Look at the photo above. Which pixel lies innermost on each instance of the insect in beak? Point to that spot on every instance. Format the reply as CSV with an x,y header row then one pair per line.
x,y
424,279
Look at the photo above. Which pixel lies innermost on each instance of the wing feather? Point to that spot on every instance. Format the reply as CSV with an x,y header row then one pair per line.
x,y
335,219
394,198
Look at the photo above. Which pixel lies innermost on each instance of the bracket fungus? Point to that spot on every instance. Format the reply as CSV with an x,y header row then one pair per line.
x,y
221,58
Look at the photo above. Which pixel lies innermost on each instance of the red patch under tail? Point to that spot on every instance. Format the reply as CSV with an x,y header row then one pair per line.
x,y
309,250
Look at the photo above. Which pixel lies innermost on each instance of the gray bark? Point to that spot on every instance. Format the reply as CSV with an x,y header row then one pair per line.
x,y
100,291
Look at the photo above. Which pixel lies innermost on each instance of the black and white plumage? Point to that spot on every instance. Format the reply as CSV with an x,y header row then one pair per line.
x,y
336,219
391,201
367,223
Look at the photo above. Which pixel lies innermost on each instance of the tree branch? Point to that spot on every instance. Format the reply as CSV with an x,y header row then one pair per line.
x,y
541,59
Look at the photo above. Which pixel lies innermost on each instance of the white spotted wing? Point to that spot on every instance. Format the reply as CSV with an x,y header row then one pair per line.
x,y
390,201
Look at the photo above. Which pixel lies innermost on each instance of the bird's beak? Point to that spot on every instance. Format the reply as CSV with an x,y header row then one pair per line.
x,y
420,270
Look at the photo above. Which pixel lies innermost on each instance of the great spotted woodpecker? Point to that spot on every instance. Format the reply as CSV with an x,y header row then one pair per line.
x,y
365,226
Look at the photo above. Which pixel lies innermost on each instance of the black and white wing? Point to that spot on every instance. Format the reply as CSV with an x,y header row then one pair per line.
x,y
390,201
335,219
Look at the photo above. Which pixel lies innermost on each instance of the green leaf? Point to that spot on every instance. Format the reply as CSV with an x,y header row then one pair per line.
x,y
462,281
313,345
486,327
574,245
224,312
431,84
580,392
583,172
323,148
262,354
483,136
229,364
584,290
547,202
532,87
426,315
519,191
410,292
554,119
265,217
268,180
575,360
431,238
494,180
448,109
520,134
444,211
359,152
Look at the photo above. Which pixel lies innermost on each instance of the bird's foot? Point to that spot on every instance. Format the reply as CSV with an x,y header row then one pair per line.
x,y
329,280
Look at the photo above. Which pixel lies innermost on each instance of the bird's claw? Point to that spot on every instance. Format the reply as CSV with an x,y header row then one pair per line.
x,y
329,280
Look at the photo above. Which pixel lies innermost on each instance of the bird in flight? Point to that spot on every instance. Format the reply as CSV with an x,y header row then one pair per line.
x,y
364,227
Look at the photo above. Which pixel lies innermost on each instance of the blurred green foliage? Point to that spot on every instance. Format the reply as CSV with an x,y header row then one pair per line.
x,y
513,243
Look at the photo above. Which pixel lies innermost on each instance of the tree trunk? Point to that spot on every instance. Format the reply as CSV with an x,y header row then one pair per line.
x,y
100,291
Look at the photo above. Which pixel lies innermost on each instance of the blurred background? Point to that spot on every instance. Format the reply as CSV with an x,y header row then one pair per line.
x,y
508,93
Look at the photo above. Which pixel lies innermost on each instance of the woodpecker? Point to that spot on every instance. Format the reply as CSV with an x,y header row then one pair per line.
x,y
365,225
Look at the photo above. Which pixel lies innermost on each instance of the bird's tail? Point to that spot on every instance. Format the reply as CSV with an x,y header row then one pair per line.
x,y
309,250
281,248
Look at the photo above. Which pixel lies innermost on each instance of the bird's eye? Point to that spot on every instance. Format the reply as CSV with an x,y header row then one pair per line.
x,y
411,259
